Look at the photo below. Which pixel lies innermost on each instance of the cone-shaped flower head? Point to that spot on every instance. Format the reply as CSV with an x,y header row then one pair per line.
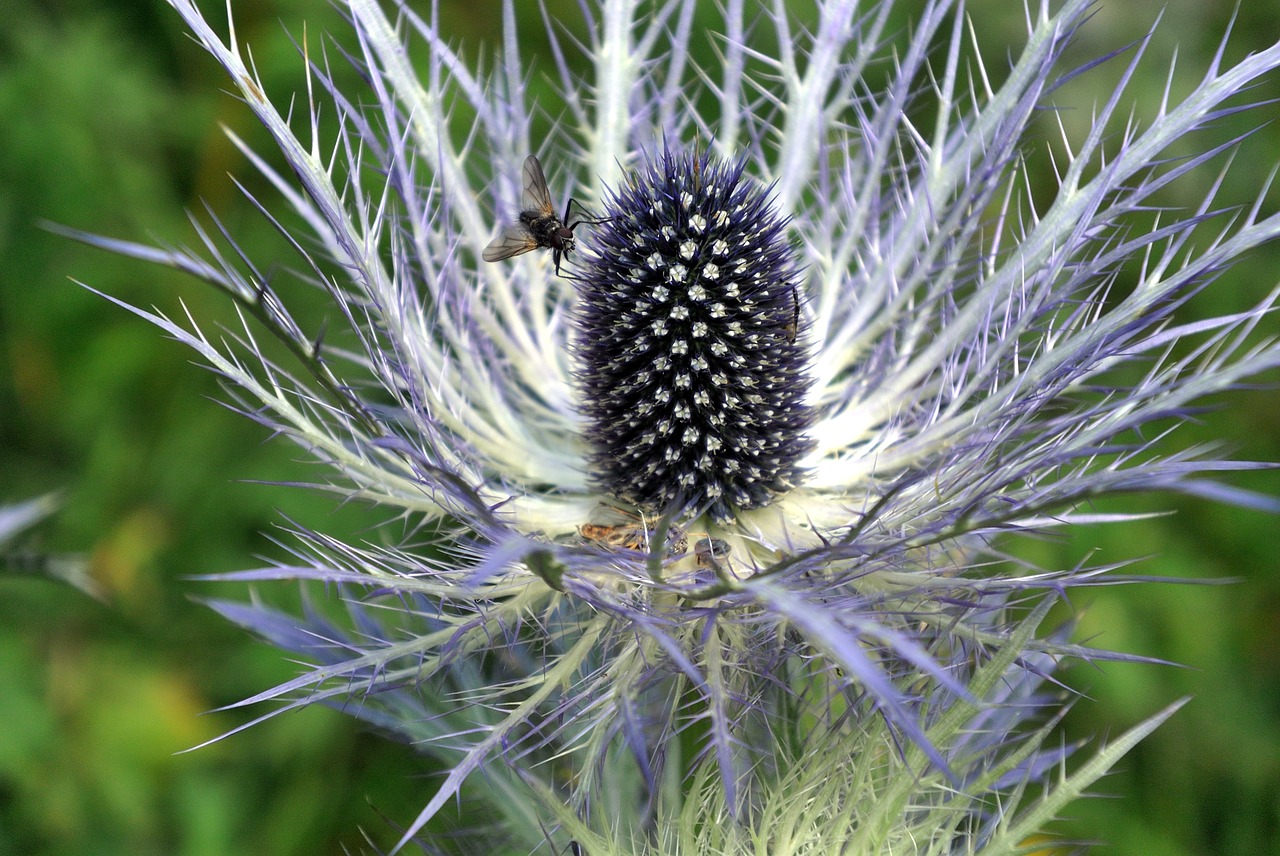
x,y
691,365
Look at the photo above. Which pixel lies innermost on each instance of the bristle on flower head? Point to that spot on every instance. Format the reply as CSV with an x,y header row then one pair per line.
x,y
690,364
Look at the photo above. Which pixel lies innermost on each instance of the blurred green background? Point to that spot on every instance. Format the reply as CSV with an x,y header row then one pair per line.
x,y
109,122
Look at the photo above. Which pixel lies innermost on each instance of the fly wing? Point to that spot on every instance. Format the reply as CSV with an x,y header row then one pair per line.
x,y
514,240
536,196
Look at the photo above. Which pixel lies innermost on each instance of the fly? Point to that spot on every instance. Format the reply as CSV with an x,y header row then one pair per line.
x,y
538,227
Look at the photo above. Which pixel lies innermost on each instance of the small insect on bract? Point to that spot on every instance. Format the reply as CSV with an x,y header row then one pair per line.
x,y
710,551
538,225
627,532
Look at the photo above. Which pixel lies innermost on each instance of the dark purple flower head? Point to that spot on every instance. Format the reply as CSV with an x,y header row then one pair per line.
x,y
690,363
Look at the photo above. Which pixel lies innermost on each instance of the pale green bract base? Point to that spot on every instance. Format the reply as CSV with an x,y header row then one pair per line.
x,y
855,793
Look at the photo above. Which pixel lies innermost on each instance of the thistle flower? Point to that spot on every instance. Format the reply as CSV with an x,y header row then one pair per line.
x,y
691,378
703,547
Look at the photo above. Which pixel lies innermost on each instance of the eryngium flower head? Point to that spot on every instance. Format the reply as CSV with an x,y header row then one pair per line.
x,y
965,340
690,362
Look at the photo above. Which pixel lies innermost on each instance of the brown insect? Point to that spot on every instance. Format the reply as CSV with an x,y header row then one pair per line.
x,y
537,226
633,534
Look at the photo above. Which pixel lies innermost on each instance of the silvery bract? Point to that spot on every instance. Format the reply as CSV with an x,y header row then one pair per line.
x,y
702,547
